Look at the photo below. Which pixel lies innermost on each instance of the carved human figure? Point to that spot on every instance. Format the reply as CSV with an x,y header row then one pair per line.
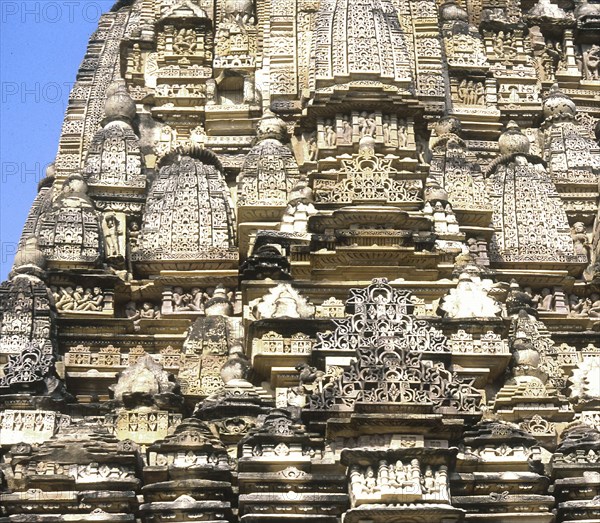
x,y
249,90
197,300
63,299
131,311
362,118
594,308
581,242
578,307
148,311
330,135
509,48
312,148
79,297
366,124
422,151
400,477
499,44
181,300
462,92
479,93
402,134
428,481
185,41
470,93
370,481
591,62
113,233
370,126
346,130
386,129
92,300
211,92
546,302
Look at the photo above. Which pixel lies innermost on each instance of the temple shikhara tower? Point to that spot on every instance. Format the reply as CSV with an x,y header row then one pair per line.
x,y
326,261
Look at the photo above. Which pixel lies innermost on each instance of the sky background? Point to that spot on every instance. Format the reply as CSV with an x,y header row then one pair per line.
x,y
42,43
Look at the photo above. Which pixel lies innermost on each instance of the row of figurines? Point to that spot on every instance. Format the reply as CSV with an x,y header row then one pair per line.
x,y
220,300
411,482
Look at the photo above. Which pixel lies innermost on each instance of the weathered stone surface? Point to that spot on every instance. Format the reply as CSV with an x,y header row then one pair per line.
x,y
314,261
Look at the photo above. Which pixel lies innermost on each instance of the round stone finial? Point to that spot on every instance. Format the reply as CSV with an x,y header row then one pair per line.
x,y
512,140
557,103
119,105
236,368
51,170
271,126
451,11
434,192
29,255
301,191
448,125
584,8
218,304
366,145
48,179
75,184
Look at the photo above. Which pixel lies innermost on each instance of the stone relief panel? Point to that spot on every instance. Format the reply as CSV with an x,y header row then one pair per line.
x,y
390,368
189,331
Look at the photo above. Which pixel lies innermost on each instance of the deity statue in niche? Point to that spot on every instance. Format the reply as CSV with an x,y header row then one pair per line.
x,y
113,229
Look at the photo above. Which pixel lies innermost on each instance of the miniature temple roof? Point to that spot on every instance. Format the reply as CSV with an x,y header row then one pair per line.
x,y
268,175
317,261
532,227
114,157
558,104
189,191
70,231
355,52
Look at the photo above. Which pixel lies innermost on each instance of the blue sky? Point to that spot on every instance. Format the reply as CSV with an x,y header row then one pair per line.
x,y
42,43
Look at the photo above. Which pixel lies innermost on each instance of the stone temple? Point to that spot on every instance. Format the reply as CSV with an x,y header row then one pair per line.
x,y
326,261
